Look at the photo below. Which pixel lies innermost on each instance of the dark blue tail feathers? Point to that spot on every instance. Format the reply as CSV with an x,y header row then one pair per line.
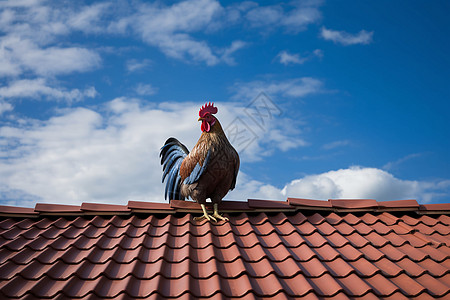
x,y
172,155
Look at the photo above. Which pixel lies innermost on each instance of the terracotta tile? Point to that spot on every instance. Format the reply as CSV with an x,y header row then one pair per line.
x,y
413,253
435,207
378,241
31,233
57,208
305,253
292,240
298,286
141,205
264,229
435,254
388,218
371,253
382,286
362,228
12,233
316,219
339,267
336,240
357,240
344,228
399,204
6,224
268,204
257,219
279,219
409,220
407,285
255,253
297,219
387,267
444,219
315,240
411,268
306,228
398,240
325,285
369,218
439,240
334,219
354,203
17,210
354,286
433,268
309,202
325,229
441,229
393,253
351,219
261,268
364,268
97,207
327,253
382,228
285,228
17,287
16,244
278,253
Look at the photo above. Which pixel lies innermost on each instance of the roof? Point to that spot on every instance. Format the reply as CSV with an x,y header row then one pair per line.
x,y
335,249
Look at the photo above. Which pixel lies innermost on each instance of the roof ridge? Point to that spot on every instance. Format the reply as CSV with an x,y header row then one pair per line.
x,y
251,205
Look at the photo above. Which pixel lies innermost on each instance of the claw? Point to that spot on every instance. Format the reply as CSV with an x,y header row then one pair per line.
x,y
206,216
216,213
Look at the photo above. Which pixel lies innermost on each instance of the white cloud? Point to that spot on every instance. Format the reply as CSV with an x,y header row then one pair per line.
x,y
89,18
336,144
39,88
357,182
5,106
292,20
345,38
287,58
21,55
228,52
134,65
169,28
297,87
394,164
145,89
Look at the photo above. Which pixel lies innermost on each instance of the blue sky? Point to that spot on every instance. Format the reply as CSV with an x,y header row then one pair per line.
x,y
333,99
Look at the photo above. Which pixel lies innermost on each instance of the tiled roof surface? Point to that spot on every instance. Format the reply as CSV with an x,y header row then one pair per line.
x,y
336,249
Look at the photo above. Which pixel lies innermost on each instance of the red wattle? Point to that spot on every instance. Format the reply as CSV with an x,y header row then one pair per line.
x,y
205,126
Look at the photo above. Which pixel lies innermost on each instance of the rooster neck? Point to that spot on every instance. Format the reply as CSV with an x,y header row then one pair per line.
x,y
216,136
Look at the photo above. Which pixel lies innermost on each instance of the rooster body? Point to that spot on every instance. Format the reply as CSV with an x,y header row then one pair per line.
x,y
208,171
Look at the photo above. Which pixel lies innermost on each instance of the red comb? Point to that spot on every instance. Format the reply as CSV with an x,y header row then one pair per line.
x,y
207,108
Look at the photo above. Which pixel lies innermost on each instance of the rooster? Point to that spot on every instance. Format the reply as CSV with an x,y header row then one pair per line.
x,y
208,171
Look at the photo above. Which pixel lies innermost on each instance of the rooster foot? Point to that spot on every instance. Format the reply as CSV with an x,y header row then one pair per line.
x,y
205,215
216,213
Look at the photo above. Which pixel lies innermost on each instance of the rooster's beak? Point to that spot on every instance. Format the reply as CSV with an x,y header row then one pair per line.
x,y
200,119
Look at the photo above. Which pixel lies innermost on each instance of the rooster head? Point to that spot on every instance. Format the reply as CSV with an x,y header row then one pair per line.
x,y
206,116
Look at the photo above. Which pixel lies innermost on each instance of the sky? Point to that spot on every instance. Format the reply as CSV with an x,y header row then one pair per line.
x,y
322,99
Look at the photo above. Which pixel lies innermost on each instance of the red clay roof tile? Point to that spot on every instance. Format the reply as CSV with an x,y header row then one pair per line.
x,y
151,252
354,203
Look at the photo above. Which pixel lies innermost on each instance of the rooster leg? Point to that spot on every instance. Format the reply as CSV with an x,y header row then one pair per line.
x,y
205,215
216,213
